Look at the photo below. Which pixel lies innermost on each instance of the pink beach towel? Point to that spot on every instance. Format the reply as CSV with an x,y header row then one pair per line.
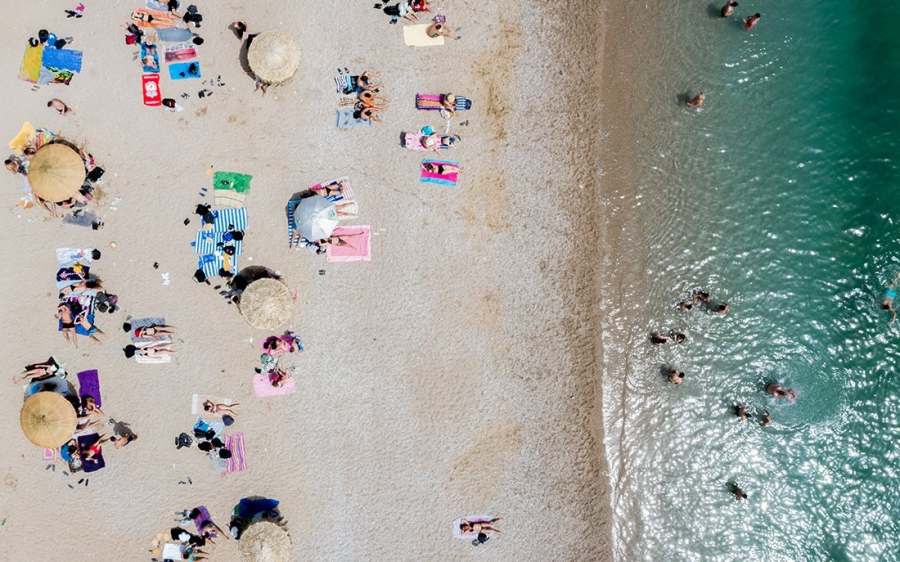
x,y
264,388
235,444
447,178
358,248
50,455
202,517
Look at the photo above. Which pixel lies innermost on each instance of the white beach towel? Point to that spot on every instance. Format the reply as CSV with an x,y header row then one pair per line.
x,y
198,400
156,359
415,36
70,256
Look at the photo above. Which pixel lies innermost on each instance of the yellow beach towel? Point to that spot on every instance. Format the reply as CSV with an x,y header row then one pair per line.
x,y
25,135
415,36
31,64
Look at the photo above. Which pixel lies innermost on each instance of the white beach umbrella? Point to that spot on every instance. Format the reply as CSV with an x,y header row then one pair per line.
x,y
315,217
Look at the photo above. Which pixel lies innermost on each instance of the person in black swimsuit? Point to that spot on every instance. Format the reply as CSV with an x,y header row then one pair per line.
x,y
435,168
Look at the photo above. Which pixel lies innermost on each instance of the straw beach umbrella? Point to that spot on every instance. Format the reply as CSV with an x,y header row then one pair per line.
x,y
273,56
315,217
267,304
48,419
56,172
265,541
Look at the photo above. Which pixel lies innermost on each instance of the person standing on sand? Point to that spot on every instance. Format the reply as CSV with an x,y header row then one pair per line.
x,y
751,21
728,8
696,101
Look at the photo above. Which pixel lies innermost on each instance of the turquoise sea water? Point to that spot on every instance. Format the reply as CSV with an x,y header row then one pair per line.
x,y
780,196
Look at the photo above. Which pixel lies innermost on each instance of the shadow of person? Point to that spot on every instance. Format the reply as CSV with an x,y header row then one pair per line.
x,y
682,99
714,11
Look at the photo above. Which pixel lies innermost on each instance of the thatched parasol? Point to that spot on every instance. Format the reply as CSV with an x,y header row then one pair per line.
x,y
265,541
48,419
273,56
267,304
56,172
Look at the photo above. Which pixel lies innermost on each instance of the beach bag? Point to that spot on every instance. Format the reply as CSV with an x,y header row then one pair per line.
x,y
95,174
42,35
200,277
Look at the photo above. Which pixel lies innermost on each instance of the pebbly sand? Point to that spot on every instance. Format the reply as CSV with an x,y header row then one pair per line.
x,y
453,374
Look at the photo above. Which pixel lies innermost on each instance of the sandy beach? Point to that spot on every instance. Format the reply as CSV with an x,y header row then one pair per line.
x,y
454,374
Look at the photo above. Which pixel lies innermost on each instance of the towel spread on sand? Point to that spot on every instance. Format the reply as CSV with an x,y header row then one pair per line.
x,y
447,178
197,404
224,219
51,455
457,533
264,389
345,119
152,359
152,95
174,35
68,257
212,264
202,517
62,59
26,133
358,248
209,242
415,36
232,181
184,70
414,141
180,52
84,444
432,102
89,385
31,64
235,444
346,192
149,58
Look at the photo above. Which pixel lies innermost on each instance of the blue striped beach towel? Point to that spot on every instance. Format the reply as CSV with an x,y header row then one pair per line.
x,y
224,218
292,231
211,264
207,242
344,84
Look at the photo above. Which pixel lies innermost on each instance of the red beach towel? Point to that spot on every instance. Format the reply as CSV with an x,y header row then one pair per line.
x,y
150,83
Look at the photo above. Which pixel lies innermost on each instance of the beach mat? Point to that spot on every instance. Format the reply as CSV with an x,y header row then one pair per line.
x,y
345,119
359,246
151,360
207,242
235,444
232,181
413,141
89,385
25,134
62,59
432,102
211,264
197,404
225,218
84,443
344,84
153,54
202,517
51,455
179,52
30,70
67,257
415,36
264,389
448,179
152,95
184,70
174,35
227,198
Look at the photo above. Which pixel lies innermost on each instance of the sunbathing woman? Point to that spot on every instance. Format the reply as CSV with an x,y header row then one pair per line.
x,y
38,371
219,408
336,188
448,103
366,114
476,527
369,97
436,30
289,342
364,81
340,240
278,377
15,166
441,169
152,332
160,349
64,313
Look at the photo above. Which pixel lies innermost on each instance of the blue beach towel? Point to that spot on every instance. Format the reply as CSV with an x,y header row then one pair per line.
x,y
184,70
207,242
173,34
225,218
211,264
62,59
154,56
345,119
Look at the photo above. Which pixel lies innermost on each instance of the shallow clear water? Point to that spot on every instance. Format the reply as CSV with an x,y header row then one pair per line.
x,y
780,196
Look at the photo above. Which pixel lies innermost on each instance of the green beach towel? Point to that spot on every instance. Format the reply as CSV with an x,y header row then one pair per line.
x,y
231,181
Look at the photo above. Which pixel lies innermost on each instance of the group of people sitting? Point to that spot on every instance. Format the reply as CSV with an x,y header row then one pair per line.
x,y
79,292
405,9
210,443
274,349
368,97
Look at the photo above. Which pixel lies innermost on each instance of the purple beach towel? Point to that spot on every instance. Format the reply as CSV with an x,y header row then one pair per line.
x,y
89,385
